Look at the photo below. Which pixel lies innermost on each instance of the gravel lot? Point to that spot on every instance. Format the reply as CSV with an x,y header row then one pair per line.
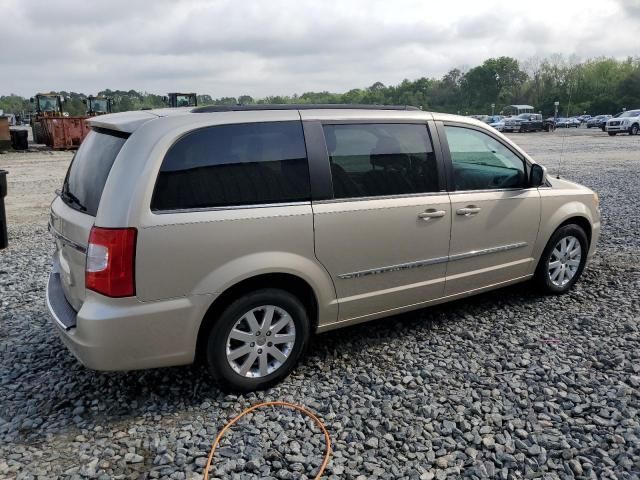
x,y
505,385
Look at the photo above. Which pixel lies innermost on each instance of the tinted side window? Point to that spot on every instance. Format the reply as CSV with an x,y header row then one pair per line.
x,y
481,163
89,170
380,159
240,164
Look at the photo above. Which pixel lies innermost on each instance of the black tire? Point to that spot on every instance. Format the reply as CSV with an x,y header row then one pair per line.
x,y
542,277
634,129
37,133
216,342
612,134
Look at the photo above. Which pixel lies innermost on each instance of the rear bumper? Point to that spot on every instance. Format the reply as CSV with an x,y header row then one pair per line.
x,y
61,310
126,334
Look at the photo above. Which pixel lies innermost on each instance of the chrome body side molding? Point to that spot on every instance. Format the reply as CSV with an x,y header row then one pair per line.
x,y
431,261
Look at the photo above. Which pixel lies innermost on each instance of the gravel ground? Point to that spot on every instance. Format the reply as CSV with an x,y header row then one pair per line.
x,y
505,385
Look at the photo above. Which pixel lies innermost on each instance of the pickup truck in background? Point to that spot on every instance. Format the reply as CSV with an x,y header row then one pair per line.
x,y
525,122
627,122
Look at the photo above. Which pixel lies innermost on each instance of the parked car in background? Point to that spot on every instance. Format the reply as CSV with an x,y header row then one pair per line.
x,y
575,121
525,122
627,122
498,122
598,121
231,234
549,124
562,122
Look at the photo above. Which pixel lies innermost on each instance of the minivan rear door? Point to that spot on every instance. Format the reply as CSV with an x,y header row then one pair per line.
x,y
73,212
383,236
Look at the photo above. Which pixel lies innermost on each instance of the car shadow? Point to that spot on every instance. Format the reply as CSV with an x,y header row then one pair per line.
x,y
408,324
53,393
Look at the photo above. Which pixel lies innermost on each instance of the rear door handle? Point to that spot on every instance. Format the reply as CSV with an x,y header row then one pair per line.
x,y
426,215
467,211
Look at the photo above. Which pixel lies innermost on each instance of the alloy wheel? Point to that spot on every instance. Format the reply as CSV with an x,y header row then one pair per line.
x,y
564,261
260,341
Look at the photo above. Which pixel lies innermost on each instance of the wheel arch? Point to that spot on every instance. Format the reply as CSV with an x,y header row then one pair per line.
x,y
582,222
288,282
580,219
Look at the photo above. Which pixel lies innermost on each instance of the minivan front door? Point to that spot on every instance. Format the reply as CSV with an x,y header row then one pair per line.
x,y
495,217
384,236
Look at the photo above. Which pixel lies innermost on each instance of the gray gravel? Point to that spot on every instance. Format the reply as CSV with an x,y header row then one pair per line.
x,y
505,385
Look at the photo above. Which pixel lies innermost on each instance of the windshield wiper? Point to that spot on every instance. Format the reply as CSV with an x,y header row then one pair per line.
x,y
70,197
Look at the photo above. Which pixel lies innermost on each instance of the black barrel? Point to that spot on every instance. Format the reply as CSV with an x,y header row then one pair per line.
x,y
4,238
19,139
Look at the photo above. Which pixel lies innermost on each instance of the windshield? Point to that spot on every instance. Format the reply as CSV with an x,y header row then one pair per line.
x,y
89,170
630,113
48,104
184,101
99,105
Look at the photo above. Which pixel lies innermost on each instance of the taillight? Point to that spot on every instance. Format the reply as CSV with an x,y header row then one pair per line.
x,y
111,261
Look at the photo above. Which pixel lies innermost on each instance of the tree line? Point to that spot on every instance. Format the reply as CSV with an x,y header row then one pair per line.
x,y
594,86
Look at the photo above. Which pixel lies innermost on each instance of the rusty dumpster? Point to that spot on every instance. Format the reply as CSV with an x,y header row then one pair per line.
x,y
5,138
62,133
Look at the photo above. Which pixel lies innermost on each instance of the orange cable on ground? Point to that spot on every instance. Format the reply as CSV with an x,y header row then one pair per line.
x,y
327,438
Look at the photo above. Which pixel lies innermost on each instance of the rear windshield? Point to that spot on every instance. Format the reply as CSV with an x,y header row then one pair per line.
x,y
90,168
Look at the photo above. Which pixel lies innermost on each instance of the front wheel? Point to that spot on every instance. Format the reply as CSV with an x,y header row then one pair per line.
x,y
612,134
257,340
634,130
563,260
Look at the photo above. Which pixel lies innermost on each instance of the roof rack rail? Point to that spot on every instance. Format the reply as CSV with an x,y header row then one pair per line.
x,y
300,106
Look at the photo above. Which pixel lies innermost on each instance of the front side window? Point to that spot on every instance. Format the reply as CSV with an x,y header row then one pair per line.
x,y
234,165
480,162
380,159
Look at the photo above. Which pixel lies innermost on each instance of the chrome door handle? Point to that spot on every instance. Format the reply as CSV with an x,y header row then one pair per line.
x,y
431,214
467,211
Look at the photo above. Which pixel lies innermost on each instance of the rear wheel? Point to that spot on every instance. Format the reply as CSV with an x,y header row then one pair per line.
x,y
563,260
257,340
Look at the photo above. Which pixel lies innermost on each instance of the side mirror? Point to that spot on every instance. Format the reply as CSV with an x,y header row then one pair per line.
x,y
537,176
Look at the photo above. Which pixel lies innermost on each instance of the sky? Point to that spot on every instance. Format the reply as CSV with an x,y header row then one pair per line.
x,y
281,47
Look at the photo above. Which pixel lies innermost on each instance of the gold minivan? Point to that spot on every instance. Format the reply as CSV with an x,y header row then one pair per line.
x,y
232,234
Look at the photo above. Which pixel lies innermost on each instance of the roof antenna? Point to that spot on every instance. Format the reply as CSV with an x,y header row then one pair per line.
x,y
565,134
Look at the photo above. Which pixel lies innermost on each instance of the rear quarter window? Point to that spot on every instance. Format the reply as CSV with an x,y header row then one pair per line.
x,y
90,168
234,165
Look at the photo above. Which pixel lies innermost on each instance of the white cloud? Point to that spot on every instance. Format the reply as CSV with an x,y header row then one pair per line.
x,y
256,47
